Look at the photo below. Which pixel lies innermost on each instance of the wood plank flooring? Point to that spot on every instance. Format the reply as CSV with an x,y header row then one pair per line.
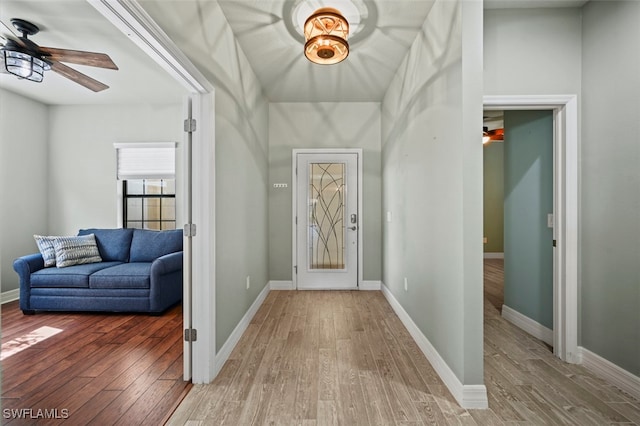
x,y
100,369
344,358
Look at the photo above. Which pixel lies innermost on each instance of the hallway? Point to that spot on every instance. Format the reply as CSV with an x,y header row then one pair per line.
x,y
344,357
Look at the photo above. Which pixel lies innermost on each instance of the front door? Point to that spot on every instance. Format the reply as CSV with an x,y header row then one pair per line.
x,y
327,220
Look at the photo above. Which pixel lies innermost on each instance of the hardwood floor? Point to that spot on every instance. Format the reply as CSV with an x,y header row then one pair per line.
x,y
344,357
99,369
494,283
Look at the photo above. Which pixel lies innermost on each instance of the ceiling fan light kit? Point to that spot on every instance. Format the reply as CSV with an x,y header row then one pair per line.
x,y
21,63
326,32
26,60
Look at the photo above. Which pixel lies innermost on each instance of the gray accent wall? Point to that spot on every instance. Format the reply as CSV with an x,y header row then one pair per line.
x,y
432,185
528,198
24,173
323,125
610,183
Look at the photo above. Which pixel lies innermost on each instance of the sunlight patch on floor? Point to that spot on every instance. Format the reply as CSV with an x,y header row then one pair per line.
x,y
21,343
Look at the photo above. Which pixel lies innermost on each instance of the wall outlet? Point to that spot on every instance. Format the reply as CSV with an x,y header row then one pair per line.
x,y
406,284
248,282
485,240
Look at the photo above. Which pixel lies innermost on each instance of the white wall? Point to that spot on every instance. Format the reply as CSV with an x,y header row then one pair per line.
x,y
241,138
610,190
23,180
82,160
532,51
432,185
323,125
592,52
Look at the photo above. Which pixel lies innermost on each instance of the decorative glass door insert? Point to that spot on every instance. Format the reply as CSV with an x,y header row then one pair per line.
x,y
326,201
326,220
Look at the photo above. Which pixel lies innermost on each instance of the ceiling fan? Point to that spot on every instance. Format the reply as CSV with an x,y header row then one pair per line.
x,y
25,59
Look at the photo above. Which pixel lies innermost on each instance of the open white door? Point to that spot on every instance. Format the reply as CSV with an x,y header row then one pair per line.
x,y
187,243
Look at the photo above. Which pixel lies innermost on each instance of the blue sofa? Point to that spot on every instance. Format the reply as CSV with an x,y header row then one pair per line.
x,y
140,271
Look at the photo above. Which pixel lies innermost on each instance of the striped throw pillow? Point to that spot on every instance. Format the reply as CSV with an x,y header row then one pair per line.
x,y
76,250
48,252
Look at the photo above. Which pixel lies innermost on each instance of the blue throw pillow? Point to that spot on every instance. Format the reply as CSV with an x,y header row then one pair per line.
x,y
76,250
113,244
148,245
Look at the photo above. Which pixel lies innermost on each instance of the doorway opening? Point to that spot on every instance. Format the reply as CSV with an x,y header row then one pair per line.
x,y
565,152
518,218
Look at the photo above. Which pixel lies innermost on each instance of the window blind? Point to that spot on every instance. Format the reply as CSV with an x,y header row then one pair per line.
x,y
150,160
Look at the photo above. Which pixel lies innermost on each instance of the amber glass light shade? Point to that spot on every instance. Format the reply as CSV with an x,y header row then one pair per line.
x,y
326,34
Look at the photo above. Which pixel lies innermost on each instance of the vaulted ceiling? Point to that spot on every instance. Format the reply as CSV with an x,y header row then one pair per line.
x,y
265,31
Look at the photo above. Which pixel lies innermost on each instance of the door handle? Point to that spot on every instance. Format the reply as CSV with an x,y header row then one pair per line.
x,y
353,228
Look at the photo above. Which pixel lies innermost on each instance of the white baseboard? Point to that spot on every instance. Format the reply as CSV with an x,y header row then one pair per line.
x,y
9,296
490,255
468,396
532,327
281,285
371,285
617,376
223,355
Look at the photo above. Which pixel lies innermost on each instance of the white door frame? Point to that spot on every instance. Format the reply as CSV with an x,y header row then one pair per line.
x,y
294,192
565,231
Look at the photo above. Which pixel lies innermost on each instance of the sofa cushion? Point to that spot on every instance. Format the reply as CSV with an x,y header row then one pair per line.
x,y
76,250
126,275
47,250
69,277
113,244
148,245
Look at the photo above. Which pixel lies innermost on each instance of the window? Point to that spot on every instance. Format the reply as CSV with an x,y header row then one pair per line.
x,y
146,185
149,203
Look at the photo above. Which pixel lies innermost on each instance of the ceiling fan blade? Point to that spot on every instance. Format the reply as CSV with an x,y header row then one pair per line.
x,y
79,57
78,77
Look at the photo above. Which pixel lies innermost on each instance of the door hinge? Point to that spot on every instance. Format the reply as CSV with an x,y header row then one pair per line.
x,y
190,230
190,335
296,269
190,125
554,243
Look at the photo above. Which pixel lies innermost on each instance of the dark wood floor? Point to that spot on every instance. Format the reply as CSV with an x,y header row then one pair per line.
x,y
100,369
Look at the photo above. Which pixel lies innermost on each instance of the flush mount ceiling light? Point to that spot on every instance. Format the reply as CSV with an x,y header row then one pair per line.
x,y
326,33
361,15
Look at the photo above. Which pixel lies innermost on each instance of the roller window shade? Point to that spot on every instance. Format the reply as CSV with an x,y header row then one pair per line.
x,y
146,160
